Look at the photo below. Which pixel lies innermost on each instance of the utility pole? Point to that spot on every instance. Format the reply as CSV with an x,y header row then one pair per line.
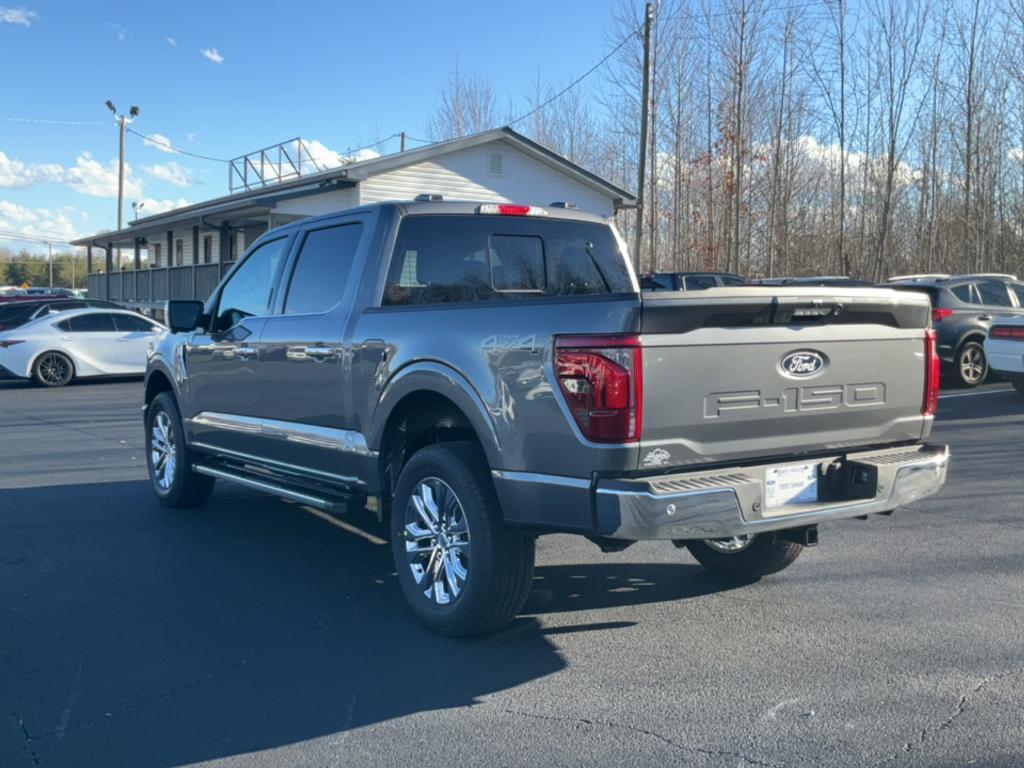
x,y
644,131
122,121
403,142
49,260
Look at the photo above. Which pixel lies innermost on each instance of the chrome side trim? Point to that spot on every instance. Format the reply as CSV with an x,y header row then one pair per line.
x,y
341,440
276,490
534,477
283,466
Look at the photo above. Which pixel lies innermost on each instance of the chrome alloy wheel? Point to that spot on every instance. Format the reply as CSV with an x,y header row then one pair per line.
x,y
161,450
972,364
437,541
54,369
731,544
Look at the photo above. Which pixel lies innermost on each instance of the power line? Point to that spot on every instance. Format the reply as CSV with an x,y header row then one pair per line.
x,y
170,146
41,121
578,80
38,239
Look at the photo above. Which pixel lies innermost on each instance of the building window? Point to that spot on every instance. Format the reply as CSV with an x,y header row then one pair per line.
x,y
207,249
179,252
155,261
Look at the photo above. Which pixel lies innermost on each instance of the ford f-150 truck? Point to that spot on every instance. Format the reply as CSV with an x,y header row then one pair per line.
x,y
492,372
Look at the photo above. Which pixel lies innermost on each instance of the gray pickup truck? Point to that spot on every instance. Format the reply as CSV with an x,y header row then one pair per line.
x,y
488,373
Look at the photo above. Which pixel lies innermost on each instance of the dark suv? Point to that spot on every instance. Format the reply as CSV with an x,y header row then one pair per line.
x,y
963,308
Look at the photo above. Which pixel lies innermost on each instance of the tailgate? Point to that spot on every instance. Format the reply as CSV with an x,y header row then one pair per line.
x,y
738,373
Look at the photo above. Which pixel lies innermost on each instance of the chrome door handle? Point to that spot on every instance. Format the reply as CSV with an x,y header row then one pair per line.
x,y
319,353
244,353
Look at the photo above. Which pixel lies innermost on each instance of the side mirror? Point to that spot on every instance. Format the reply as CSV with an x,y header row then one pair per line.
x,y
184,315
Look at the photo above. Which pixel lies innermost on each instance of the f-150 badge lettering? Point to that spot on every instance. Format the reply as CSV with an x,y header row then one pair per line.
x,y
803,363
794,400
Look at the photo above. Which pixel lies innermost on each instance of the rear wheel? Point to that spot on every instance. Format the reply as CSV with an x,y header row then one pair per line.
x,y
462,571
53,369
971,364
745,558
169,459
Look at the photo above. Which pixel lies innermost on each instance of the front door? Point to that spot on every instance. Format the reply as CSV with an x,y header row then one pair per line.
x,y
225,393
304,368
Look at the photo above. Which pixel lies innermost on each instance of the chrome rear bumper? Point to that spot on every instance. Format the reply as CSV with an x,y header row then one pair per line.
x,y
730,502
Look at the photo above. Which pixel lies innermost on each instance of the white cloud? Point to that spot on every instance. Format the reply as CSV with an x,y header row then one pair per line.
x,y
151,207
161,142
171,42
213,55
14,174
91,177
191,137
22,16
172,173
323,157
39,222
119,32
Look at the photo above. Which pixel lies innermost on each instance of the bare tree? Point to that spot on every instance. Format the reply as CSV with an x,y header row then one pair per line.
x,y
467,105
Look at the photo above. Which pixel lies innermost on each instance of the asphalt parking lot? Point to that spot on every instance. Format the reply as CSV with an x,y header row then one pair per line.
x,y
252,633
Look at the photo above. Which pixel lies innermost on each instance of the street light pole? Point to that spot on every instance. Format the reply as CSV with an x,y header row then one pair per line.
x,y
49,260
123,121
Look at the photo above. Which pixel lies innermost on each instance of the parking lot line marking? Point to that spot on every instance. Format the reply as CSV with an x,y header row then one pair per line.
x,y
973,394
345,526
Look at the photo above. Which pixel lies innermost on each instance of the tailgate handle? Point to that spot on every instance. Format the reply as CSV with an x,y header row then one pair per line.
x,y
810,310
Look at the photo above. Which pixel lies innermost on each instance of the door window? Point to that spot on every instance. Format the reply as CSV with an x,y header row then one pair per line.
x,y
994,294
699,282
133,324
249,290
322,269
1018,289
95,322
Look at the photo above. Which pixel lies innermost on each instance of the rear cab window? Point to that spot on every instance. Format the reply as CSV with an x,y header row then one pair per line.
x,y
465,258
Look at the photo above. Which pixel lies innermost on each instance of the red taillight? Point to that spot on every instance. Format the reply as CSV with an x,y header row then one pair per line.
x,y
601,379
1007,332
931,375
939,314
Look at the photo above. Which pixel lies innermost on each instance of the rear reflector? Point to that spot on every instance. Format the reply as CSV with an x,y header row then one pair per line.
x,y
939,314
1007,332
931,375
601,380
507,209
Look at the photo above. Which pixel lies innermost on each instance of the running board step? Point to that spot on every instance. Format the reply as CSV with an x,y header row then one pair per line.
x,y
334,506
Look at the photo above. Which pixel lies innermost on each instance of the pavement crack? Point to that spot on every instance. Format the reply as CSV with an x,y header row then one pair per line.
x,y
961,707
27,736
591,723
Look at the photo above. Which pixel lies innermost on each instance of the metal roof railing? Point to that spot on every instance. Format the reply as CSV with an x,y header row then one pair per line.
x,y
271,165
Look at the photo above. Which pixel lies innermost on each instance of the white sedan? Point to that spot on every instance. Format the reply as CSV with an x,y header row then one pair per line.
x,y
56,348
1004,349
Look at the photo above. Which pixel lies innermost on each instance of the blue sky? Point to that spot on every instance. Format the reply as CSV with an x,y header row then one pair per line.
x,y
341,73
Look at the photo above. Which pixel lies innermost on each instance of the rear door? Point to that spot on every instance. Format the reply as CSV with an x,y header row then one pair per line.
x,y
135,335
738,373
92,338
303,368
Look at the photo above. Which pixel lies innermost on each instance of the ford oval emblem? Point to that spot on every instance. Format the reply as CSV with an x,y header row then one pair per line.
x,y
803,363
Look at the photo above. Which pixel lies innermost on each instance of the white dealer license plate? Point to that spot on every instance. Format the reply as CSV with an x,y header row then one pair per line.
x,y
793,484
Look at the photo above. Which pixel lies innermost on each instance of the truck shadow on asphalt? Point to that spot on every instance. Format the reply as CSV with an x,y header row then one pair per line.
x,y
137,635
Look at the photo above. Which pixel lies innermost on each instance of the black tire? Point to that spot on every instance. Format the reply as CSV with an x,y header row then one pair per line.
x,y
53,369
499,560
970,355
185,487
766,553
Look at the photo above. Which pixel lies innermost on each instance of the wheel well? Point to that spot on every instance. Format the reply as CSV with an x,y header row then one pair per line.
x,y
155,384
419,419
